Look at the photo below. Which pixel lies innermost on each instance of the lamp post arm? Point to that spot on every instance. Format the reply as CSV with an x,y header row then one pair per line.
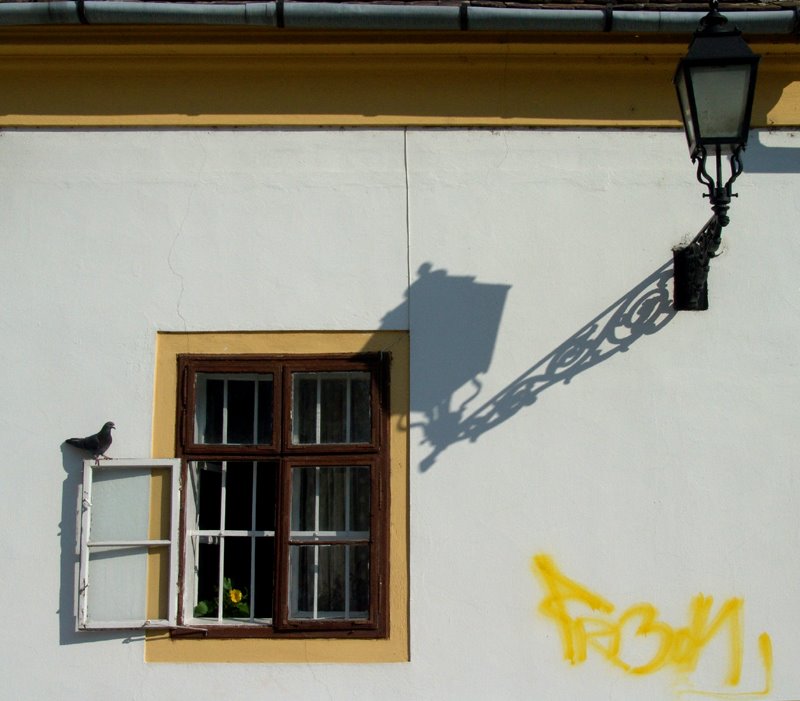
x,y
703,176
719,193
692,261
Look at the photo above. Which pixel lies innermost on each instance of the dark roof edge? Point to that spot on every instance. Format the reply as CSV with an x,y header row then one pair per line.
x,y
335,16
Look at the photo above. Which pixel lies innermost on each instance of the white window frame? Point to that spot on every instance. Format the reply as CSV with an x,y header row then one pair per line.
x,y
87,544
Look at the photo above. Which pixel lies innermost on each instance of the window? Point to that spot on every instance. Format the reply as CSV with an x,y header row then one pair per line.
x,y
285,511
261,529
129,519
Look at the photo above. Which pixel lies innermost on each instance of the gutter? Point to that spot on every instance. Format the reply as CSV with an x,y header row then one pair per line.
x,y
366,16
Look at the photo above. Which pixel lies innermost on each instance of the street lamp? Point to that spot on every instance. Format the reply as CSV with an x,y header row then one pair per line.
x,y
715,83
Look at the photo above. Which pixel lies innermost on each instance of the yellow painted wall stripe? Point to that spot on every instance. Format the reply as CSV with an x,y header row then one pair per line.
x,y
129,77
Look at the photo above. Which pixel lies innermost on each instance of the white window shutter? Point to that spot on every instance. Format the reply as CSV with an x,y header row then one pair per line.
x,y
129,544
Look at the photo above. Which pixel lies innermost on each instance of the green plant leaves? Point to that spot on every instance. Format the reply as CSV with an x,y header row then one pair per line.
x,y
234,603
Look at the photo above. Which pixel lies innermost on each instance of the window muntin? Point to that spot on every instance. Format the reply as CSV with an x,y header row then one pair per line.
x,y
306,553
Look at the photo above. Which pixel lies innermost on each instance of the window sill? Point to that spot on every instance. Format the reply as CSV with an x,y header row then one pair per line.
x,y
226,632
162,647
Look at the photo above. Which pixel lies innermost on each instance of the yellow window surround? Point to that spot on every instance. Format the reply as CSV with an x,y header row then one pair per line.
x,y
160,646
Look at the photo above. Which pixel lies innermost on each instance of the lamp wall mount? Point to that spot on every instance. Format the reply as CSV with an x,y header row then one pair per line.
x,y
692,261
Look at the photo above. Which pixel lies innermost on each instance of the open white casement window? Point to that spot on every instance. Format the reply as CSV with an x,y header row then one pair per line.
x,y
129,544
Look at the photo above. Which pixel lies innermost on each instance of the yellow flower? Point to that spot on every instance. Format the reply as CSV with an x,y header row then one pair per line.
x,y
236,596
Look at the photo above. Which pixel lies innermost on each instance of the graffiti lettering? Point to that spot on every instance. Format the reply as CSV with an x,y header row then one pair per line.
x,y
612,636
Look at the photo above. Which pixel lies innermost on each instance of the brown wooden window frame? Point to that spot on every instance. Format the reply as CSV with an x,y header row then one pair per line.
x,y
287,455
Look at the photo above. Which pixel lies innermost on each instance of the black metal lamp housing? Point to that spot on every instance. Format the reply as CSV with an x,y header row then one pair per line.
x,y
715,83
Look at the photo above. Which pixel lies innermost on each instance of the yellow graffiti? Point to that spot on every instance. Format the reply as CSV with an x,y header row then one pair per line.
x,y
680,648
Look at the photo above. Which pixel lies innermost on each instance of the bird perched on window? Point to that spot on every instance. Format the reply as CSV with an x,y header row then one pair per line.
x,y
96,444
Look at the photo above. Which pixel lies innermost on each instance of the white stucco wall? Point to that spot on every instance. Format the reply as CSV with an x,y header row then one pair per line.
x,y
650,475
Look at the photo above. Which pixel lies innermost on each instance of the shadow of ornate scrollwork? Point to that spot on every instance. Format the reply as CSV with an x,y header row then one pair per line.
x,y
642,311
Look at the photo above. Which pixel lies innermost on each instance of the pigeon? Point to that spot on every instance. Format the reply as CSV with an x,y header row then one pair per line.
x,y
97,444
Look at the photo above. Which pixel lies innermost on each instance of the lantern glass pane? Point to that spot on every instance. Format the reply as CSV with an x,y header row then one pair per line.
x,y
720,93
686,109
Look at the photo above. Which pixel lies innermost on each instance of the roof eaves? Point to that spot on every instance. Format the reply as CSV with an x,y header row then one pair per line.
x,y
774,17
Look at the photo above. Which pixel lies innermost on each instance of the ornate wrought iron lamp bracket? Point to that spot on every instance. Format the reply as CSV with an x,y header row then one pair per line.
x,y
692,261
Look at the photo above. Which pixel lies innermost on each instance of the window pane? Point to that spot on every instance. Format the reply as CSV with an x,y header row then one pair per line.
x,y
359,581
241,411
264,590
211,421
331,499
242,555
160,527
120,504
304,490
209,495
304,414
265,400
236,578
301,581
333,408
239,496
207,549
118,579
266,494
359,411
329,581
360,484
330,407
233,409
206,478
